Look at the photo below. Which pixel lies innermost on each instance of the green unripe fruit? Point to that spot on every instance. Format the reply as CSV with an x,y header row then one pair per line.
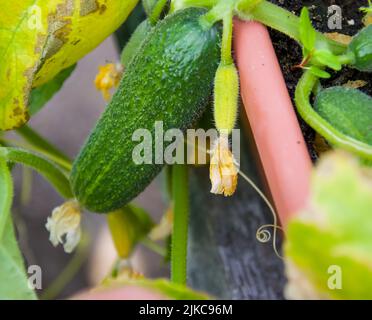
x,y
169,80
361,48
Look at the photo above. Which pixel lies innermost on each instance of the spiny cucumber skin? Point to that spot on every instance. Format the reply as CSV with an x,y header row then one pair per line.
x,y
170,80
361,47
348,110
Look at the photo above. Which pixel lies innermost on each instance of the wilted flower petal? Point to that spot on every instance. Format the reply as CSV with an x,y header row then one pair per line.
x,y
223,172
107,78
65,221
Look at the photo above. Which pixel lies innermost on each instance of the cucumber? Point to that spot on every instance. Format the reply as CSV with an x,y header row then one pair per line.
x,y
348,110
361,48
170,79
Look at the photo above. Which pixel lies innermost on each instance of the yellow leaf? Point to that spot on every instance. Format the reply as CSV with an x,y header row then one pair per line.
x,y
76,29
22,33
39,38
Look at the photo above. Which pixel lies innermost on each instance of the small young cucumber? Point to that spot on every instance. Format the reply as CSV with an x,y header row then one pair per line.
x,y
348,110
361,48
169,80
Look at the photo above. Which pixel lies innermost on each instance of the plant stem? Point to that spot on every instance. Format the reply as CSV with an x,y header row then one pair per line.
x,y
26,189
41,165
314,120
38,141
153,246
42,145
226,57
180,224
286,22
66,166
181,4
268,14
347,58
156,12
69,272
6,193
223,10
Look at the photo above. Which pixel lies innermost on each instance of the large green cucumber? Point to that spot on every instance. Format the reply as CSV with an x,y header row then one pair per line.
x,y
170,80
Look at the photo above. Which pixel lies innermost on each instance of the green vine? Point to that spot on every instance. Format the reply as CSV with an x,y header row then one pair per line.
x,y
156,12
39,142
302,97
48,170
180,225
6,193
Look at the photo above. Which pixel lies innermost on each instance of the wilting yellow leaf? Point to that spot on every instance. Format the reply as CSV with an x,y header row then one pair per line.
x,y
23,28
77,28
39,38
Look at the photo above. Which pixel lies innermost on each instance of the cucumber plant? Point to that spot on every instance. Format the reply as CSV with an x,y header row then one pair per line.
x,y
173,62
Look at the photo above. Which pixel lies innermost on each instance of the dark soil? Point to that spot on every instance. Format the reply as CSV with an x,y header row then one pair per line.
x,y
289,52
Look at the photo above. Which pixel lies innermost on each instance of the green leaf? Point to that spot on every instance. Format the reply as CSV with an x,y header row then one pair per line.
x,y
128,226
348,110
328,59
40,38
13,278
319,72
367,10
334,230
41,95
307,31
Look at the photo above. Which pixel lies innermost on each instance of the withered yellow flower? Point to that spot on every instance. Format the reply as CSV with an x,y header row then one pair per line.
x,y
107,78
64,225
223,172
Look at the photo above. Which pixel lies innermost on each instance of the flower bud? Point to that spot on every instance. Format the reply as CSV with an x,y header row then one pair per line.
x,y
128,226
